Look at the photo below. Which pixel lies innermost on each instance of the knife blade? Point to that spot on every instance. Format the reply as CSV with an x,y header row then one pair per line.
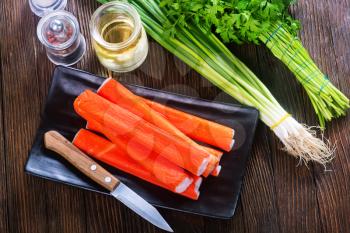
x,y
56,142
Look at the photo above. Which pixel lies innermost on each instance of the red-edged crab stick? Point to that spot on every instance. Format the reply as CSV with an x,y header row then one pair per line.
x,y
121,123
197,128
160,167
140,154
107,152
115,92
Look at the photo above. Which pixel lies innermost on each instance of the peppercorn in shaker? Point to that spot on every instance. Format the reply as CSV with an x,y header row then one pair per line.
x,y
59,32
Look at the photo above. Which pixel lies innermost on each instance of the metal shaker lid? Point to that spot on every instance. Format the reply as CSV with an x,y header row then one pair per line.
x,y
43,7
58,30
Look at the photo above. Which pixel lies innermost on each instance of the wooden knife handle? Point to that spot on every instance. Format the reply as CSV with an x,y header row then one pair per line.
x,y
56,142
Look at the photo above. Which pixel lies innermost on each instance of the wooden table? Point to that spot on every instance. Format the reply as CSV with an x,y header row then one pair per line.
x,y
277,195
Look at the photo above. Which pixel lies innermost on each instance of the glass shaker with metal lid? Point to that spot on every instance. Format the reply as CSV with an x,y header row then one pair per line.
x,y
43,7
59,32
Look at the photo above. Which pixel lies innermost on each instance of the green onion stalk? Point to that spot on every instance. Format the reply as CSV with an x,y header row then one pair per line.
x,y
326,99
204,52
267,22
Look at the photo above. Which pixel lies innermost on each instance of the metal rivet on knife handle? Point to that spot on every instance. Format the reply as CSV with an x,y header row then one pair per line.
x,y
108,179
93,167
56,142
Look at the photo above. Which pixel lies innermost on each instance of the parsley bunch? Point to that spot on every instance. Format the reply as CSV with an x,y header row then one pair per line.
x,y
266,21
234,20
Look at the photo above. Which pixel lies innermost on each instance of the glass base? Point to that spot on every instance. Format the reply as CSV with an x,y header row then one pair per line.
x,y
41,10
127,69
72,58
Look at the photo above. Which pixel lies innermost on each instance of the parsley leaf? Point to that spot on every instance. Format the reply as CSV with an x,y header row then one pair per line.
x,y
236,21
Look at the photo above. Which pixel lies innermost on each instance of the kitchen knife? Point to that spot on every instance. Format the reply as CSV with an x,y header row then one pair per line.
x,y
56,142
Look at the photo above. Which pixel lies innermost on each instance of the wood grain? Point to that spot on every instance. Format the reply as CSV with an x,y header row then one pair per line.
x,y
26,211
277,195
3,184
30,201
330,53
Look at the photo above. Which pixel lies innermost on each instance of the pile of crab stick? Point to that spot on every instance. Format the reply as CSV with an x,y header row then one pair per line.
x,y
161,145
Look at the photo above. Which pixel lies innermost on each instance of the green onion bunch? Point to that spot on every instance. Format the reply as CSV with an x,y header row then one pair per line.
x,y
268,22
204,52
326,99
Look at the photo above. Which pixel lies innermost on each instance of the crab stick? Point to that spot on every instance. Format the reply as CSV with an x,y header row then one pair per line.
x,y
107,152
155,163
120,123
216,171
218,154
115,92
94,126
197,128
213,160
214,163
193,191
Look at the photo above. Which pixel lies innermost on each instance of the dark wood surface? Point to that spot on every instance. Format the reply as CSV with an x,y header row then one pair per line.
x,y
277,195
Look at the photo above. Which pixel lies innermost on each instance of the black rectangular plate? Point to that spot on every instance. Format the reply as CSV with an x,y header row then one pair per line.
x,y
219,195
